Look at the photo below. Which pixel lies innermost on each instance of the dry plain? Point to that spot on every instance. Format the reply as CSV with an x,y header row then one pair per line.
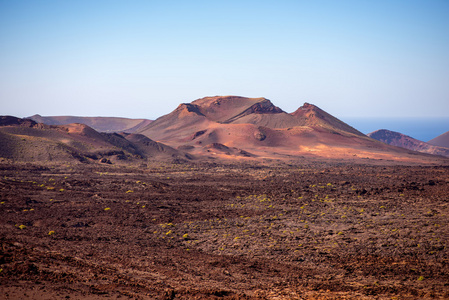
x,y
309,230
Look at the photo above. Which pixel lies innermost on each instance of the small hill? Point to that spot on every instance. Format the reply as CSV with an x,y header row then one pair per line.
x,y
26,140
312,115
102,124
442,140
407,142
152,149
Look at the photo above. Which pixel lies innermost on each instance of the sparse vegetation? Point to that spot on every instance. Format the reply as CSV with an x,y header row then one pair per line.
x,y
238,228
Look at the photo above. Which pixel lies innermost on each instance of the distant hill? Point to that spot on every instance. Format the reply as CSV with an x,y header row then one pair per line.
x,y
232,126
26,140
442,140
102,124
407,142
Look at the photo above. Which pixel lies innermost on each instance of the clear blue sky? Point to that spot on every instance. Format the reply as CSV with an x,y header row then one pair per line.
x,y
140,59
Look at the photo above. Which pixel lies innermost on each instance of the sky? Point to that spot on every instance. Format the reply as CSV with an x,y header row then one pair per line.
x,y
141,59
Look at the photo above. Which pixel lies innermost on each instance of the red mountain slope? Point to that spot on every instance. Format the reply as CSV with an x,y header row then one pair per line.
x,y
262,130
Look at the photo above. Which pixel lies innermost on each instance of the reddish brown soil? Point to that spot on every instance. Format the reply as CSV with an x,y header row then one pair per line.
x,y
312,231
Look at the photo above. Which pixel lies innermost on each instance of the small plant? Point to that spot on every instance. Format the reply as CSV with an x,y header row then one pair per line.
x,y
51,232
22,227
420,278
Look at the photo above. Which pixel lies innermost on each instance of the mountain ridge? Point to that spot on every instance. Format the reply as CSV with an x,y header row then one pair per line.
x,y
263,130
209,128
241,110
27,140
102,124
404,141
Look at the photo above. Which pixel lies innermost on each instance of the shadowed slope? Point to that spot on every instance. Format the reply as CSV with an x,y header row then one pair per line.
x,y
178,124
442,140
407,142
150,148
26,140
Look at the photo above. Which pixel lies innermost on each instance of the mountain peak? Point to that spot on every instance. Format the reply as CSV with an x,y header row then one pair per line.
x,y
226,109
306,109
313,115
218,100
186,108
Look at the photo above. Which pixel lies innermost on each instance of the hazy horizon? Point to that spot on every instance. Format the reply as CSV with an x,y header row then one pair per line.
x,y
423,129
353,59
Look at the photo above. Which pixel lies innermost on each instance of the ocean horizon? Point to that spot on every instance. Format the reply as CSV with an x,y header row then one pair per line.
x,y
423,129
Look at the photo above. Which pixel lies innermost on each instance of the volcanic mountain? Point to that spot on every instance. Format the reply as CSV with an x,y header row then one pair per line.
x,y
102,124
442,140
225,126
407,142
26,140
260,112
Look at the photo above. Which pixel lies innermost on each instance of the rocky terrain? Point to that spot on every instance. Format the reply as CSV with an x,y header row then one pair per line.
x,y
224,198
312,230
23,140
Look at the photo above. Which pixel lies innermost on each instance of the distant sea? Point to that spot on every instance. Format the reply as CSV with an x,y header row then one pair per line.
x,y
423,129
